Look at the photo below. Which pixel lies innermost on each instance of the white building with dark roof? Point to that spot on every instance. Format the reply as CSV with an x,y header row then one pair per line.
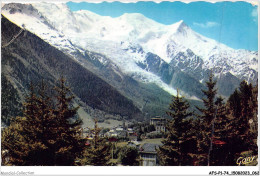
x,y
148,154
159,124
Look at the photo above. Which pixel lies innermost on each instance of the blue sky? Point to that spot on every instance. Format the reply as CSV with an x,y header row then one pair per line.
x,y
232,23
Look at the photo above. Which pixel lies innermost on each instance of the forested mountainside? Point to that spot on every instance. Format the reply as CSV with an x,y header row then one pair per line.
x,y
29,59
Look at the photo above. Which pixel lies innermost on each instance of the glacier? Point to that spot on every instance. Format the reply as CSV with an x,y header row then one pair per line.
x,y
127,39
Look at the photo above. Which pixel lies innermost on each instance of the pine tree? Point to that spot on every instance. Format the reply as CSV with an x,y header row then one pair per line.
x,y
246,95
209,102
44,135
68,143
179,131
221,120
129,156
25,139
242,105
14,149
98,152
254,105
234,104
253,122
220,136
207,115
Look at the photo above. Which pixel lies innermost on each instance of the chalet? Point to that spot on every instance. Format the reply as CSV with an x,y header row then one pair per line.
x,y
148,154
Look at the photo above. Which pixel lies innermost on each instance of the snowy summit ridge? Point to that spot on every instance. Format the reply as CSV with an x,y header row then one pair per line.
x,y
126,41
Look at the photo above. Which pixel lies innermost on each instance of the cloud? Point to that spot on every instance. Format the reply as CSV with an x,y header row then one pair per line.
x,y
208,24
254,14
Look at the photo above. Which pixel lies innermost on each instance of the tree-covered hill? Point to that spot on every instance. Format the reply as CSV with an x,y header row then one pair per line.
x,y
29,59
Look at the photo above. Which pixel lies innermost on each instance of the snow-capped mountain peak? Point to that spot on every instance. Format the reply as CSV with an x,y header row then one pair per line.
x,y
181,26
127,40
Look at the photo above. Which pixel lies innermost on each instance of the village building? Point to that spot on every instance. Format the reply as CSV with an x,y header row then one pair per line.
x,y
159,124
134,144
131,134
117,132
148,154
111,133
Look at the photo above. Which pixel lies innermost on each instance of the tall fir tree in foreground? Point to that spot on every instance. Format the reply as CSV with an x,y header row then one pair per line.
x,y
208,113
220,135
26,140
221,120
44,136
69,143
97,152
254,104
242,107
248,107
179,131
